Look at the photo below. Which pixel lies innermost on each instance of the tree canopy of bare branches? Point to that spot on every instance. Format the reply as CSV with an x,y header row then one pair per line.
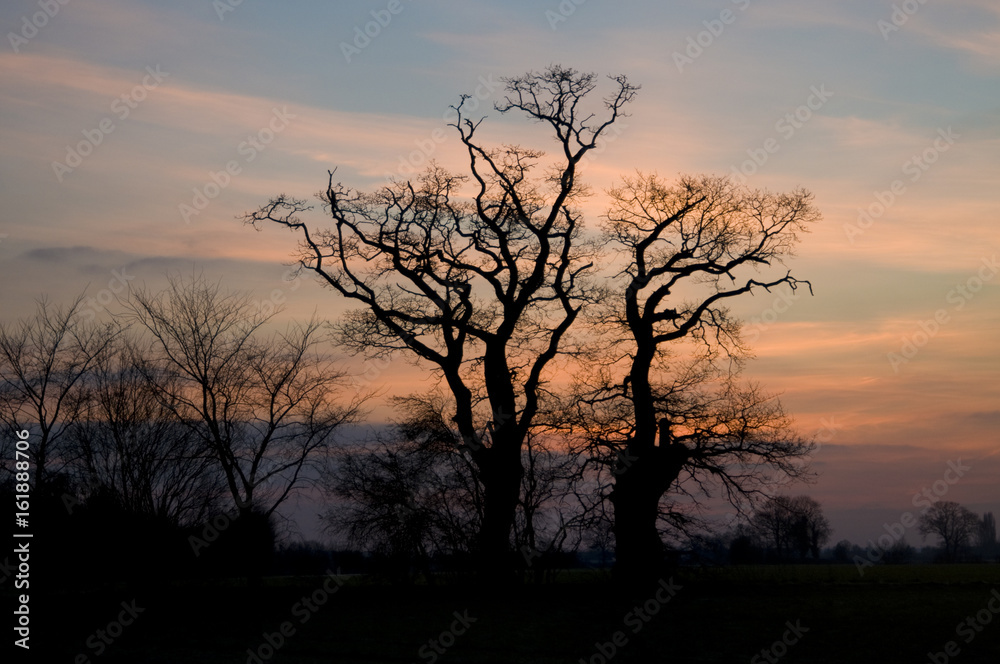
x,y
43,362
262,405
484,288
131,444
788,525
953,523
672,415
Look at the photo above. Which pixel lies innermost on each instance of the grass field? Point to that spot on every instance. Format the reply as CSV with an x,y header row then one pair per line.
x,y
827,613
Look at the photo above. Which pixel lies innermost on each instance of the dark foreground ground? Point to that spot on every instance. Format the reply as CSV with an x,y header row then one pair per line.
x,y
790,614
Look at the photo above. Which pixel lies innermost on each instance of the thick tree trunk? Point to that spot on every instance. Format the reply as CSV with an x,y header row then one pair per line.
x,y
639,550
501,468
501,488
636,497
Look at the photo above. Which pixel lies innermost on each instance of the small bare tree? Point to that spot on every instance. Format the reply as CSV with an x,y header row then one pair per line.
x,y
552,518
43,362
986,536
131,444
953,523
418,493
263,406
411,495
788,524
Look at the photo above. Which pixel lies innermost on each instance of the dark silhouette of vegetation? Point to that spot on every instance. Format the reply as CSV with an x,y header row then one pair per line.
x,y
191,421
955,525
673,417
43,360
986,537
411,498
138,435
263,407
415,499
785,529
484,290
130,445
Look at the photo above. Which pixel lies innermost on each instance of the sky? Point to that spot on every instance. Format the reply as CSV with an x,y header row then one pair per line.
x,y
133,134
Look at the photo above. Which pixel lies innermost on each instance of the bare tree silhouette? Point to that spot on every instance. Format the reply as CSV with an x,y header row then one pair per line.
x,y
788,525
132,444
484,291
671,415
264,406
43,362
953,523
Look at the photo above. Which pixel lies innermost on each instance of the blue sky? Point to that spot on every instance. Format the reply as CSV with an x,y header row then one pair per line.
x,y
912,104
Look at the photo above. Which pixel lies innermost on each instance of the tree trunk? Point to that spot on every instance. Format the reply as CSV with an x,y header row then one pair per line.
x,y
639,550
502,470
636,498
501,489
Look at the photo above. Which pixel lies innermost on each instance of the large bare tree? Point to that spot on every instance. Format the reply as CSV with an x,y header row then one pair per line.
x,y
673,412
482,288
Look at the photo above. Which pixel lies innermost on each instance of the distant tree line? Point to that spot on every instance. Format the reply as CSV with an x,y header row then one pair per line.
x,y
783,529
962,536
